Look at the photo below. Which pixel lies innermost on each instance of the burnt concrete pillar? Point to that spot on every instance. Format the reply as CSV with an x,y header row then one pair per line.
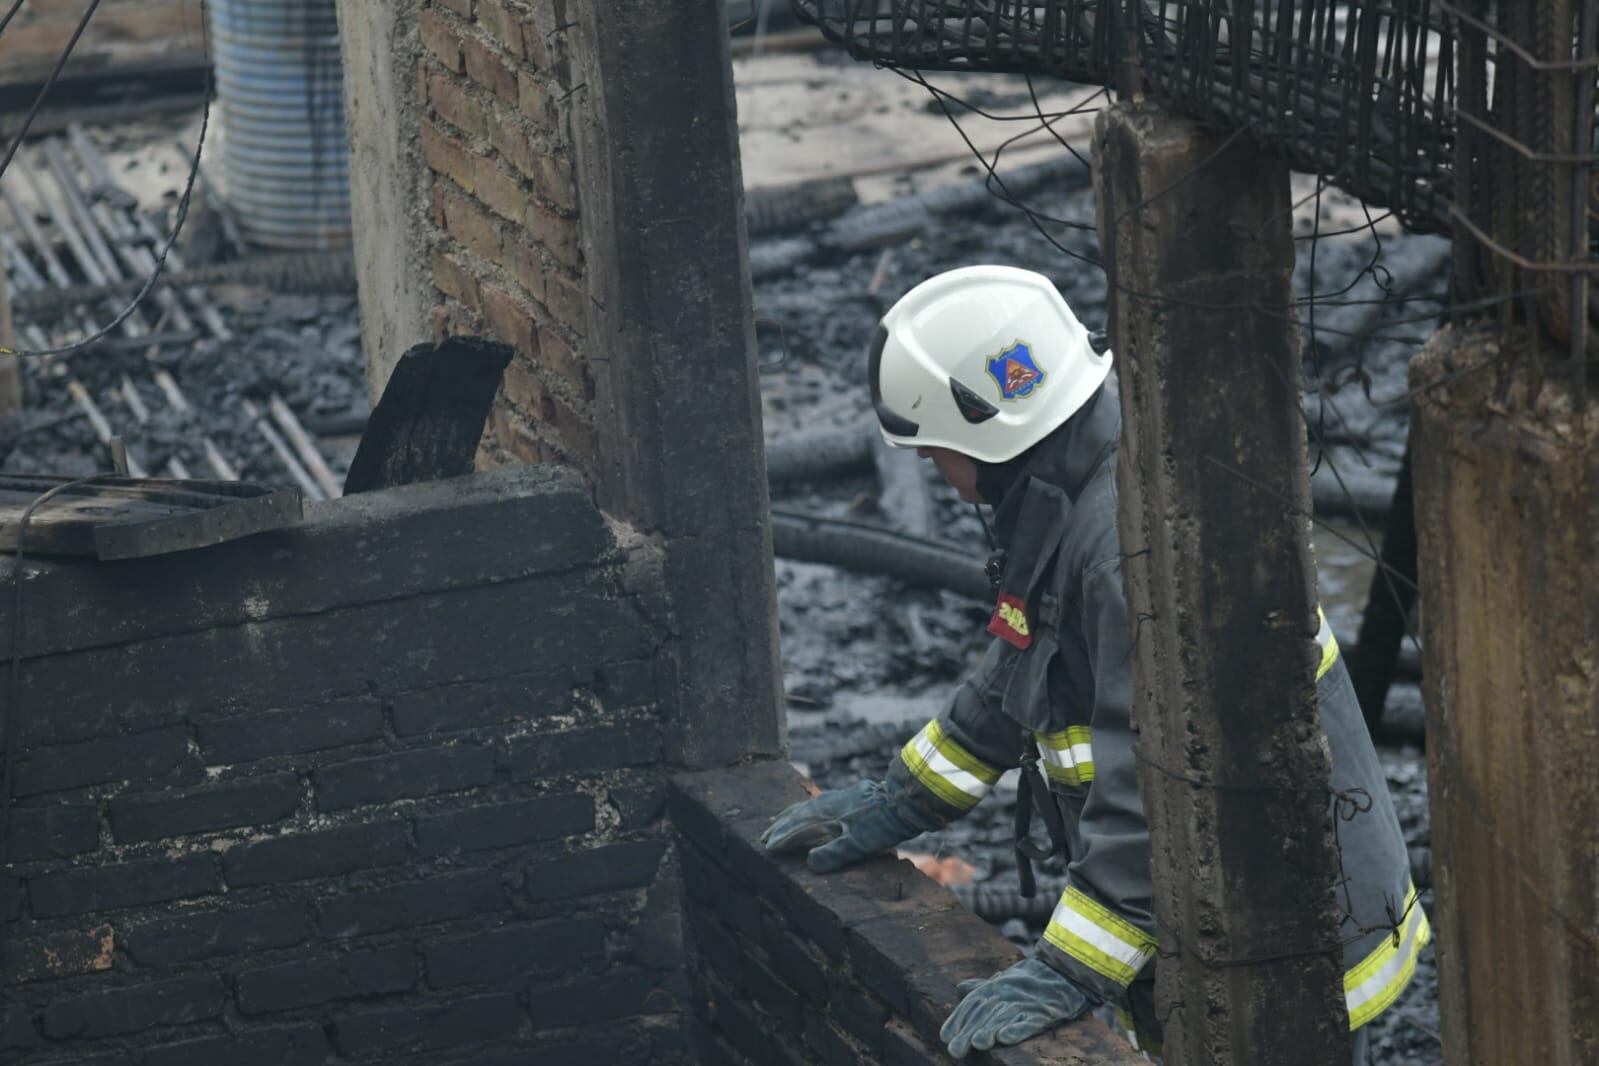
x,y
672,346
10,366
1507,505
1213,487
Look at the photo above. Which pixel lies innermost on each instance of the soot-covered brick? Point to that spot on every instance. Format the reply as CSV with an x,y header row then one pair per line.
x,y
315,981
565,947
437,899
104,888
195,937
402,776
504,825
299,856
132,1010
162,815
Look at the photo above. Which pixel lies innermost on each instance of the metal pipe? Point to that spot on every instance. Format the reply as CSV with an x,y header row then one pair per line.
x,y
125,206
56,163
97,226
24,266
305,446
131,326
180,403
141,414
102,427
307,484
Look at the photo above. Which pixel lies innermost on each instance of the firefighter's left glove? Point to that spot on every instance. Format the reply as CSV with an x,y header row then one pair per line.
x,y
846,825
1013,1005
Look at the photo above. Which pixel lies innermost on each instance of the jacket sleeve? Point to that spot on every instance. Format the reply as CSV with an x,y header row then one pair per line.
x,y
1102,932
956,758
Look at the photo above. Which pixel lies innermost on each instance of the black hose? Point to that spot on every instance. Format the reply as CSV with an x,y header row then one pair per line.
x,y
870,550
1375,656
824,453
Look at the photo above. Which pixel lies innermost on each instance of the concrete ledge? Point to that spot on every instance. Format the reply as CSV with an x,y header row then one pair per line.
x,y
422,538
857,966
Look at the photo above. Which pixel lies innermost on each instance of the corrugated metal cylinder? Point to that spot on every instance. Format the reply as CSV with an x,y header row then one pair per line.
x,y
281,92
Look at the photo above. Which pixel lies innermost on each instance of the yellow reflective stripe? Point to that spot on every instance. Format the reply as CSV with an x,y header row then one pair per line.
x,y
1329,645
1099,939
1068,755
1376,982
946,769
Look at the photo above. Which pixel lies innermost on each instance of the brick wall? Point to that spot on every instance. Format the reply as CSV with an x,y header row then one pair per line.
x,y
385,786
496,98
855,967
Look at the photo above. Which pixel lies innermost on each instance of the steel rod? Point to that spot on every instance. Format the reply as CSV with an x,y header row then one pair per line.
x,y
131,326
263,425
180,403
305,446
102,427
126,206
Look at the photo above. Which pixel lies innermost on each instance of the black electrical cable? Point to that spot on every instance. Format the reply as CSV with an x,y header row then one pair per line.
x,y
177,225
49,83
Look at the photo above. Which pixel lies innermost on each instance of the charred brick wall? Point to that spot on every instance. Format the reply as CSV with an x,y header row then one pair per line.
x,y
496,93
388,785
854,967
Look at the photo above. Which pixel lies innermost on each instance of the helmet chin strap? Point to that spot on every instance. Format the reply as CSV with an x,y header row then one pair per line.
x,y
995,567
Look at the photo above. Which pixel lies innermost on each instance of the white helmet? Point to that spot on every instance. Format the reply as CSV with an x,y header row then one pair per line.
x,y
984,360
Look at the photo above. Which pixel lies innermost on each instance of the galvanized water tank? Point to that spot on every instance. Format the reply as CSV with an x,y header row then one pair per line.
x,y
286,162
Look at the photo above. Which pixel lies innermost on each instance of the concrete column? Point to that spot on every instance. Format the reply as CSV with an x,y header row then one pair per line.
x,y
389,201
1507,512
1213,487
672,345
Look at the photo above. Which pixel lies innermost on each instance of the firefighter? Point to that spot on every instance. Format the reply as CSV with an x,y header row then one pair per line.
x,y
986,372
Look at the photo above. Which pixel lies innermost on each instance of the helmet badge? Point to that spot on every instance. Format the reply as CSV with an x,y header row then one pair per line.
x,y
1017,372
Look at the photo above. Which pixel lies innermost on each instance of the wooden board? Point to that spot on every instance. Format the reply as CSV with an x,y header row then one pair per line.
x,y
126,518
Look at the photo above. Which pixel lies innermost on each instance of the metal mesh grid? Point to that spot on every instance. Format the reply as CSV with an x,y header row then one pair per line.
x,y
1361,94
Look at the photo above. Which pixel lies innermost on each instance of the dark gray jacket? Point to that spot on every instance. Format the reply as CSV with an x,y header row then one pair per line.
x,y
1058,676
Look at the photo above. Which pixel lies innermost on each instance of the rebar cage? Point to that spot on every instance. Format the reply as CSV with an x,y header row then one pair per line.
x,y
1360,93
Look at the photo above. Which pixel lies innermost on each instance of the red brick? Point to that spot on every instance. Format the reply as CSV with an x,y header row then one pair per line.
x,y
446,155
533,97
460,7
436,204
451,101
469,224
528,266
566,363
521,385
442,39
535,47
504,24
510,320
573,429
562,236
553,180
489,69
499,190
453,279
567,302
512,141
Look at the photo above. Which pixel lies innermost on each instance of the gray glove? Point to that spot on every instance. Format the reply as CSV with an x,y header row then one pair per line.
x,y
1011,1006
849,824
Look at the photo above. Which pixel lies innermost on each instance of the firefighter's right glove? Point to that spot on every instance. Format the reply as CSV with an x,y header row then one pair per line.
x,y
848,824
1013,1005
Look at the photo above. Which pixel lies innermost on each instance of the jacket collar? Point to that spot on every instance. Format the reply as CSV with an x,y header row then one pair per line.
x,y
1066,458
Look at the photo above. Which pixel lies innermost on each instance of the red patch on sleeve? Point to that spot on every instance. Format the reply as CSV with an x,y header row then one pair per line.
x,y
1009,622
